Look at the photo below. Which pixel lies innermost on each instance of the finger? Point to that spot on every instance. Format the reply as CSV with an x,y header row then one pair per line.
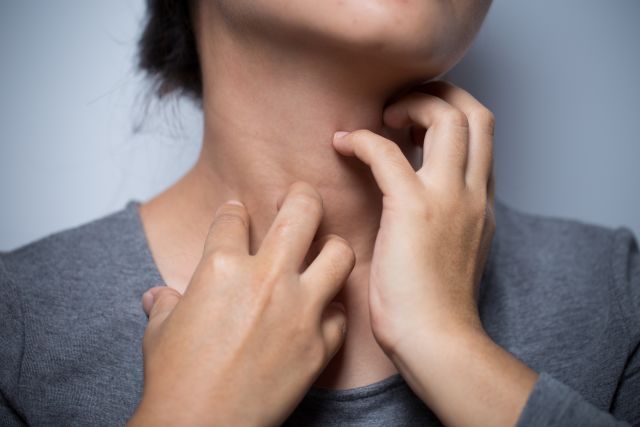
x,y
164,301
481,130
148,297
326,275
334,327
446,140
391,169
288,239
229,229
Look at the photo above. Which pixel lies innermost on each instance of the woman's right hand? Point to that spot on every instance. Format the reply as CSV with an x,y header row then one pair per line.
x,y
251,332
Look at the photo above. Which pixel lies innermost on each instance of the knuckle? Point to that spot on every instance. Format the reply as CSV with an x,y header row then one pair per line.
x,y
222,262
308,202
307,196
343,247
484,117
390,150
455,117
360,134
341,252
301,187
228,215
391,153
282,226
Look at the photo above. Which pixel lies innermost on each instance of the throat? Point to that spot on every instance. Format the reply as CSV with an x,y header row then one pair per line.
x,y
360,360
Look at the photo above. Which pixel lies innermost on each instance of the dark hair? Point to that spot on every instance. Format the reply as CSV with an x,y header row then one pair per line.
x,y
167,50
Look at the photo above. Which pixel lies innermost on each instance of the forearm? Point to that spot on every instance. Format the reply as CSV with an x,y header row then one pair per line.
x,y
465,378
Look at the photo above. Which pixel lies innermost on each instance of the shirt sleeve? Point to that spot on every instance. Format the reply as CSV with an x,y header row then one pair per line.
x,y
11,349
626,268
553,403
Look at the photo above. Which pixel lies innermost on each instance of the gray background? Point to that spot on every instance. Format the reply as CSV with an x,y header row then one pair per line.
x,y
560,77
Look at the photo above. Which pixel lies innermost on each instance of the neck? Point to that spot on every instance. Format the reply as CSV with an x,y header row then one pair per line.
x,y
268,121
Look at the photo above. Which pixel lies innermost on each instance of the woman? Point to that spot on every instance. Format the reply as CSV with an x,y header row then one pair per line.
x,y
457,311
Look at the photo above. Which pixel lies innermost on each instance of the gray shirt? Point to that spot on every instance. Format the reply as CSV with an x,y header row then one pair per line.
x,y
561,295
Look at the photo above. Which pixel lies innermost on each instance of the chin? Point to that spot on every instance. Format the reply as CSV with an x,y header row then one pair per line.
x,y
431,34
425,33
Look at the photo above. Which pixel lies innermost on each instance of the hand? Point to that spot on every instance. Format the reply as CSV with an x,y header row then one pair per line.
x,y
435,232
251,333
437,223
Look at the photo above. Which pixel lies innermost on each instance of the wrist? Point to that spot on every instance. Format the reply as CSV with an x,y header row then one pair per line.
x,y
429,359
436,332
457,365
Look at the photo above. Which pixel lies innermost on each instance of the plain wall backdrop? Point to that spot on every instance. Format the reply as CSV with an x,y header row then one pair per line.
x,y
560,77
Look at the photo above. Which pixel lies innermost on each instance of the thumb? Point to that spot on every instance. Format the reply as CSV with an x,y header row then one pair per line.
x,y
334,327
158,302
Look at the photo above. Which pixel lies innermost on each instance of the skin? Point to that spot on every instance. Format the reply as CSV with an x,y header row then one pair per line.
x,y
232,360
280,78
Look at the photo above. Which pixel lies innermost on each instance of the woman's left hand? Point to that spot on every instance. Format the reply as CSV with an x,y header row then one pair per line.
x,y
437,223
435,233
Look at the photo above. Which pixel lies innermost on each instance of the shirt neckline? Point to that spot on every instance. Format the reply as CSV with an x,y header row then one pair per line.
x,y
357,393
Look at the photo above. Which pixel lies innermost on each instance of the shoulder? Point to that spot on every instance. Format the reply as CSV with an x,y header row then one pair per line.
x,y
554,243
65,250
515,227
584,262
563,295
72,323
66,270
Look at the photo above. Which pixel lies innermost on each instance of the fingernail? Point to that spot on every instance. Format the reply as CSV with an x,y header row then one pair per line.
x,y
339,134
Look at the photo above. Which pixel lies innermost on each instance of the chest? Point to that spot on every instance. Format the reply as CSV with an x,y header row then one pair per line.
x,y
88,370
